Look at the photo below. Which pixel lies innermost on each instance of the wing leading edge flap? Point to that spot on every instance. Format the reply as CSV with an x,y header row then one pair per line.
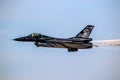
x,y
72,49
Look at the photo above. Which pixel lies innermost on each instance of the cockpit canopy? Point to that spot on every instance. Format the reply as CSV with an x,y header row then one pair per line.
x,y
37,35
34,35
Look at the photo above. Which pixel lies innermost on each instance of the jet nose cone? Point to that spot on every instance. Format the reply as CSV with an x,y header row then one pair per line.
x,y
19,39
16,39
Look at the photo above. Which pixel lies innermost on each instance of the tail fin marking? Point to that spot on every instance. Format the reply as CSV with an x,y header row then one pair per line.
x,y
85,33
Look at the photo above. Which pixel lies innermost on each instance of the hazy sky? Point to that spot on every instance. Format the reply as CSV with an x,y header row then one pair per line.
x,y
58,18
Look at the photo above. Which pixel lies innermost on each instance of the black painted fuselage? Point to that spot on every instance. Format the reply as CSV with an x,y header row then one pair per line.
x,y
80,41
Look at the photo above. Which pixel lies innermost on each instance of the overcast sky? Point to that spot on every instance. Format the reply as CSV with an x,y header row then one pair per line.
x,y
58,18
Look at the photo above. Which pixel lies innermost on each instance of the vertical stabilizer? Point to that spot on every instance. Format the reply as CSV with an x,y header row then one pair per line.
x,y
85,33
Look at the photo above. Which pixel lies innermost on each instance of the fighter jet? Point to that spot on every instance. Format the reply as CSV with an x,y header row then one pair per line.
x,y
80,41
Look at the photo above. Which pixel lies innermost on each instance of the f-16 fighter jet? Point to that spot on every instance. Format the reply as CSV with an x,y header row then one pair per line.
x,y
80,41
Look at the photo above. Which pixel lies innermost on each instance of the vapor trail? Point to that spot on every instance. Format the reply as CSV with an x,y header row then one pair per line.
x,y
106,43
